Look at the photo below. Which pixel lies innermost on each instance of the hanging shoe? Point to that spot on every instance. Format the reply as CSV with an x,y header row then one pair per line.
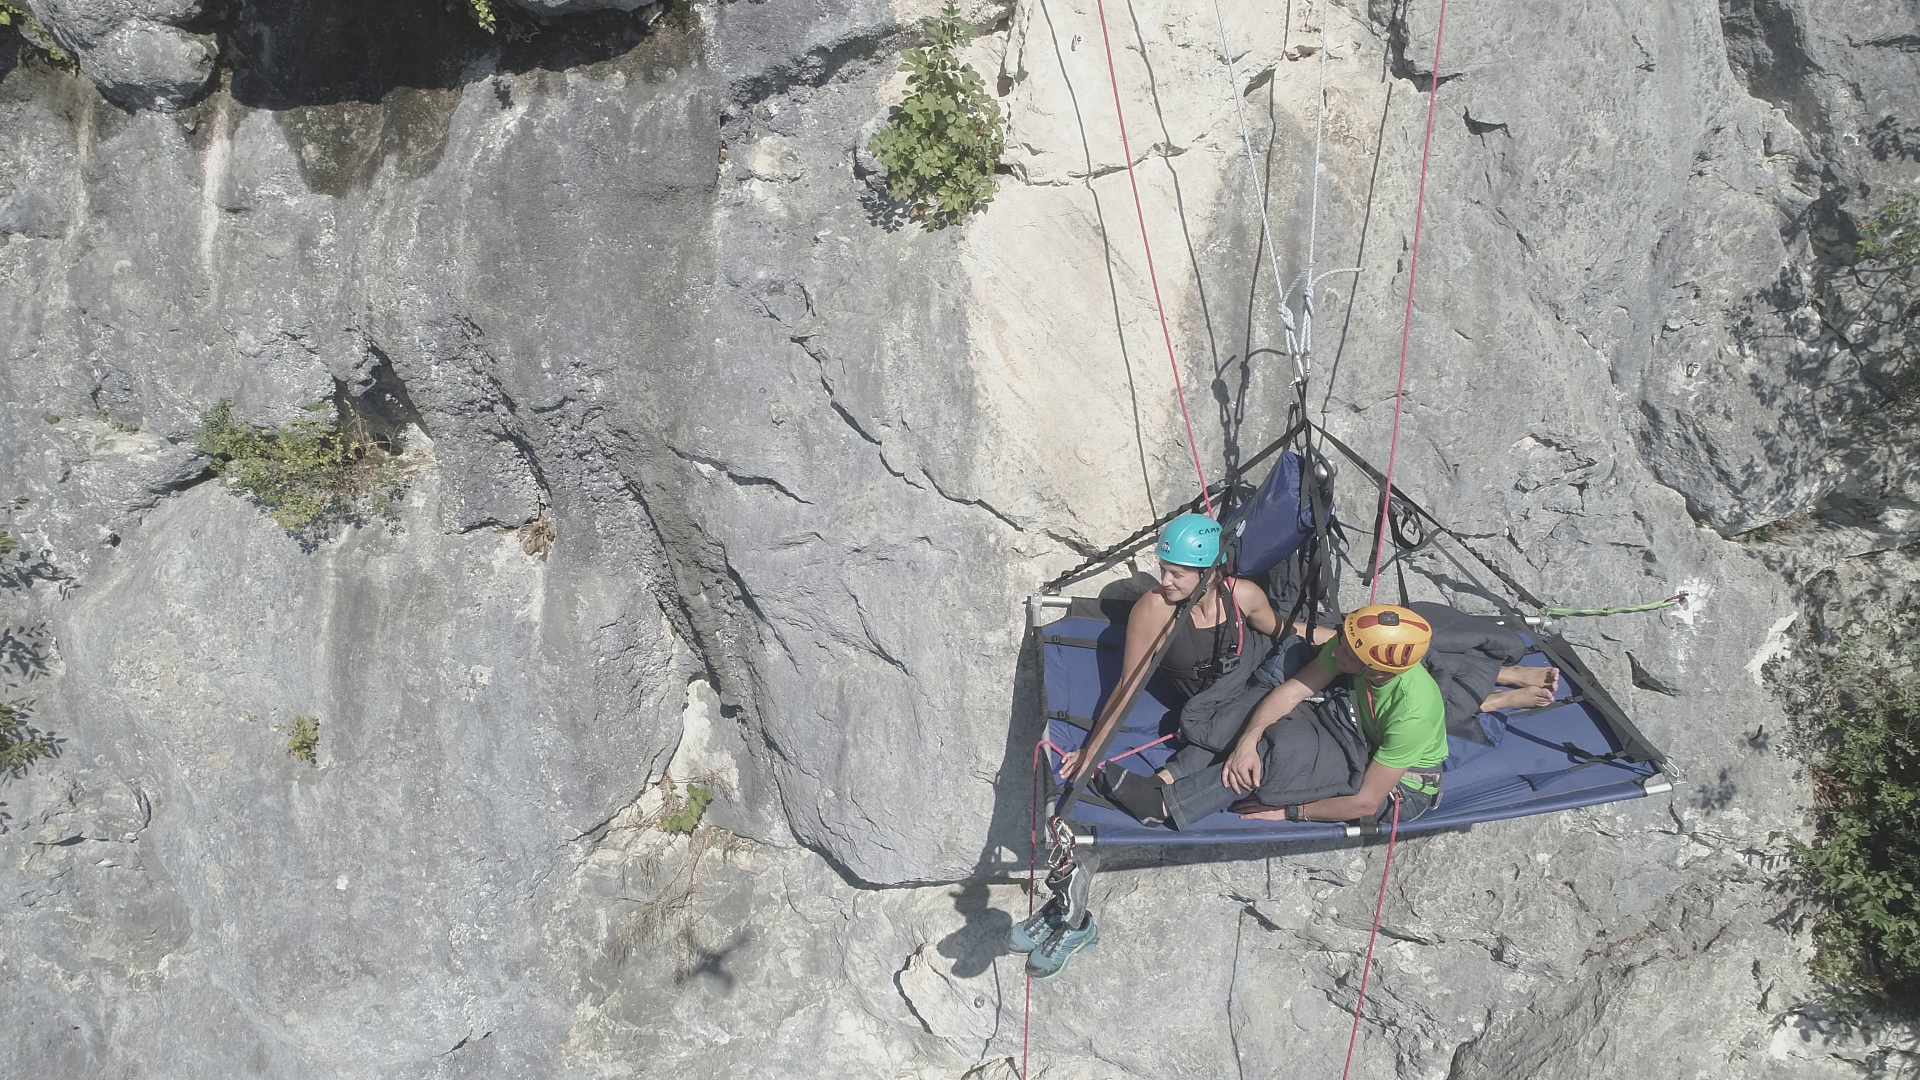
x,y
1051,957
1031,934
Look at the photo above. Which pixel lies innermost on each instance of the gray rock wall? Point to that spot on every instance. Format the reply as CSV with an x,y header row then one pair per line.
x,y
802,463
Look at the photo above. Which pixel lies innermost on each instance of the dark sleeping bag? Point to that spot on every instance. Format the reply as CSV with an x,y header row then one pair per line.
x,y
1467,654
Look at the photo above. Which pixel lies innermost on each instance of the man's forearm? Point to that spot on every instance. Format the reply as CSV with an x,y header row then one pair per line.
x,y
1273,708
1340,808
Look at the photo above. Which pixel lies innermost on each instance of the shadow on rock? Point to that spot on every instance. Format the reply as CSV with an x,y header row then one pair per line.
x,y
323,52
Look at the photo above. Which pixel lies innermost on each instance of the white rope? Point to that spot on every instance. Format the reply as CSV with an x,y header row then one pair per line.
x,y
1305,363
1259,183
1298,332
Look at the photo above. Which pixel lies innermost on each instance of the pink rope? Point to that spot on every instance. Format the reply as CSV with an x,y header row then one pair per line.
x,y
1139,749
1366,967
1166,333
1406,322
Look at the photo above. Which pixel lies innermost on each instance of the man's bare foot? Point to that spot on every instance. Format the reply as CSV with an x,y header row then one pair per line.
x,y
1526,697
1547,678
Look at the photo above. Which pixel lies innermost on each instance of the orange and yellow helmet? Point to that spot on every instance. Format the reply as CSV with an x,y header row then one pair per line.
x,y
1387,638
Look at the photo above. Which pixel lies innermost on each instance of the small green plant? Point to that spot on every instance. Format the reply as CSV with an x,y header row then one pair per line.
x,y
482,11
303,740
691,807
1859,730
8,545
22,744
942,143
14,16
308,473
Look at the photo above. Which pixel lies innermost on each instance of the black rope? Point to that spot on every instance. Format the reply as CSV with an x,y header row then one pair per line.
x,y
1435,523
1110,556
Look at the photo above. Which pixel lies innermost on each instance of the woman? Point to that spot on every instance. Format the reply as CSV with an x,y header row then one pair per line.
x,y
1215,625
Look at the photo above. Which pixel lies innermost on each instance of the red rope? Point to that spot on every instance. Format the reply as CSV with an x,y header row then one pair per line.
x,y
1033,886
1160,306
1406,323
1380,905
1386,497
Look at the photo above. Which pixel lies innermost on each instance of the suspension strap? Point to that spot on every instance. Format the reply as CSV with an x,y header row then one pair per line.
x,y
1108,557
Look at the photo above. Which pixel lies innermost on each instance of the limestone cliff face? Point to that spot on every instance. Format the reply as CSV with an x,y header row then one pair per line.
x,y
625,279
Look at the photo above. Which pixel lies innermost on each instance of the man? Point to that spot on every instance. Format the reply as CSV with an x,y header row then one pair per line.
x,y
1294,762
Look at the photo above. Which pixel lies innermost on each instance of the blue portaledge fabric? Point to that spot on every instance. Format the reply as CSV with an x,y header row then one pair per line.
x,y
1577,753
1275,522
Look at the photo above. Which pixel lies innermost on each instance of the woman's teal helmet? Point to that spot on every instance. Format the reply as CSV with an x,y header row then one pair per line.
x,y
1190,540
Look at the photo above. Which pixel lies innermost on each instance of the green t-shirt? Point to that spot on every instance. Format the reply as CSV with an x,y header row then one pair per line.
x,y
1403,721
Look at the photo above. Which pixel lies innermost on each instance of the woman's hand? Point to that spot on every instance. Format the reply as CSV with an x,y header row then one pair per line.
x,y
1243,768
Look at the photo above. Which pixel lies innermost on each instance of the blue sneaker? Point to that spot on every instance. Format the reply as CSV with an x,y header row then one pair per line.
x,y
1029,935
1051,957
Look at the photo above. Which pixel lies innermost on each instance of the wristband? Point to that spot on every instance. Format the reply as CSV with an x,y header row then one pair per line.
x,y
1296,812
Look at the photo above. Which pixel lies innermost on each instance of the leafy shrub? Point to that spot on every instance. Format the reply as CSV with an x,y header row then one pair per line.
x,y
303,740
692,807
942,143
482,11
22,744
1859,729
308,473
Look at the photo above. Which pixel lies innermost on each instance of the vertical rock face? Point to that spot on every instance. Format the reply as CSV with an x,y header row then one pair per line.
x,y
723,475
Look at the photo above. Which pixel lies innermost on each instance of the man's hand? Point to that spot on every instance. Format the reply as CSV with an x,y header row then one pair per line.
x,y
1070,764
1243,768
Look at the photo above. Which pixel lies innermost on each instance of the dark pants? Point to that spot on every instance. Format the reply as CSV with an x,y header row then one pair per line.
x,y
1467,655
1204,792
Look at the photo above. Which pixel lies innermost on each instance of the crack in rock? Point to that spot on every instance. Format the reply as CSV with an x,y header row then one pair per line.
x,y
738,478
820,357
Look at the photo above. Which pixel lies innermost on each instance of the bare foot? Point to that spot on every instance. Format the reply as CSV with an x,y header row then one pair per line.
x,y
1526,697
1547,678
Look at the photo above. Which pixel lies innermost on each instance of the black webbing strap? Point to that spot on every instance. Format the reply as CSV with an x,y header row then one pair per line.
x,y
1106,558
1415,508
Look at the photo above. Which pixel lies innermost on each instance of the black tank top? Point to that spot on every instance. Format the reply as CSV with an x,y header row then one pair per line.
x,y
1188,662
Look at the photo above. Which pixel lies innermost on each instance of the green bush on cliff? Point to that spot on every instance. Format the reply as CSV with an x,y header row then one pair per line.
x,y
942,143
688,808
303,740
309,474
1859,730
